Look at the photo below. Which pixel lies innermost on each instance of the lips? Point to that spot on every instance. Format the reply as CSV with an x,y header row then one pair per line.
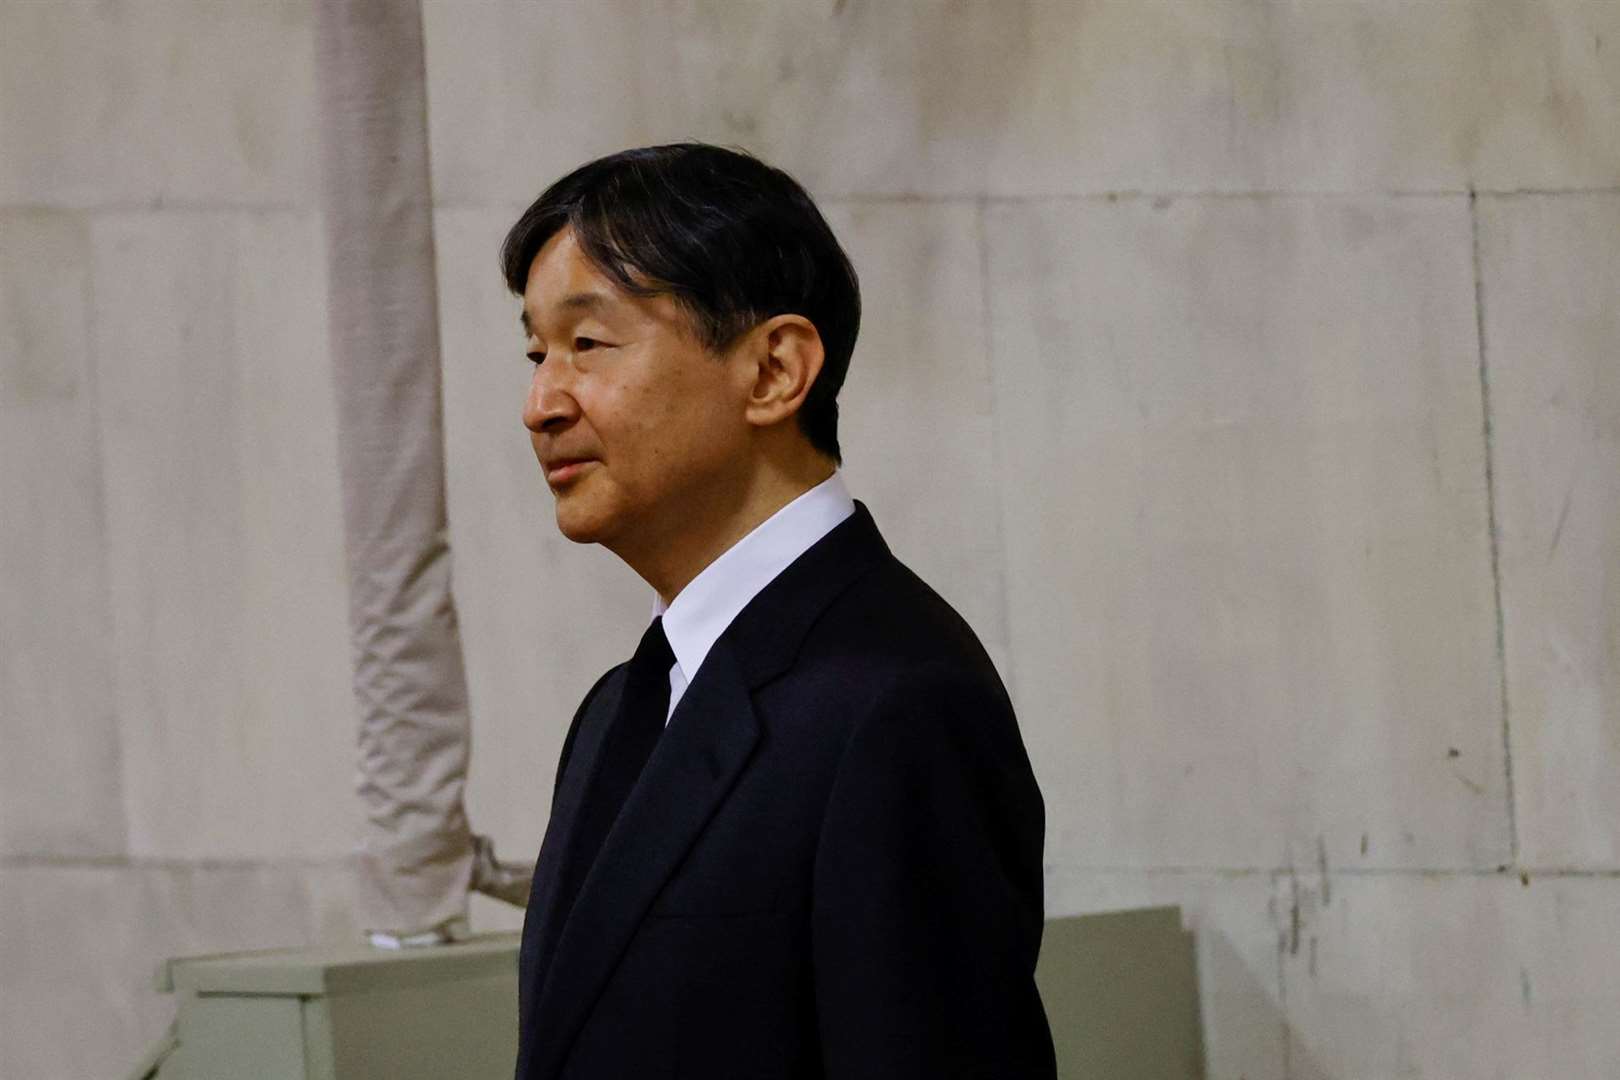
x,y
564,469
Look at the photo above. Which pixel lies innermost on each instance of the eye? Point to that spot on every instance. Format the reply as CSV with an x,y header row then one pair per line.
x,y
582,344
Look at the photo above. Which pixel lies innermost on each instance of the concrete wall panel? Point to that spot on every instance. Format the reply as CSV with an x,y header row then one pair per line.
x,y
119,102
1483,977
853,97
227,570
1366,95
917,413
82,944
1249,589
1037,97
59,758
1551,273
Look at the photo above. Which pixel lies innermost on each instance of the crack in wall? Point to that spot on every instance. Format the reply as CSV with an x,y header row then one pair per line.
x,y
1492,525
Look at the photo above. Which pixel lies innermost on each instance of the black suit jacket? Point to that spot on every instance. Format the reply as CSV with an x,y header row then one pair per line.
x,y
830,866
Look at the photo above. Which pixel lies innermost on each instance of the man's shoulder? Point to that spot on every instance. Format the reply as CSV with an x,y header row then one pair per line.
x,y
892,669
897,607
891,629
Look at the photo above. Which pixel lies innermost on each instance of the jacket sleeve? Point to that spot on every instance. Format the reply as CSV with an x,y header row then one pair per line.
x,y
927,896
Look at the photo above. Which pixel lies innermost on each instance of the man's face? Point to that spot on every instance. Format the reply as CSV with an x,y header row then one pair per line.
x,y
625,385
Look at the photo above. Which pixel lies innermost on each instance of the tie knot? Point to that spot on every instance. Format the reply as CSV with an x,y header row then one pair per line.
x,y
653,655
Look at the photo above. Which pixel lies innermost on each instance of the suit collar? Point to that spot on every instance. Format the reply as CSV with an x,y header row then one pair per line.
x,y
767,633
712,600
695,764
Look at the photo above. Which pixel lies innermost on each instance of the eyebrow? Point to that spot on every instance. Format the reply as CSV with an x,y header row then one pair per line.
x,y
580,301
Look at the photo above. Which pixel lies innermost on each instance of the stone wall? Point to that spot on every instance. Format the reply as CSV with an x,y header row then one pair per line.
x,y
1247,372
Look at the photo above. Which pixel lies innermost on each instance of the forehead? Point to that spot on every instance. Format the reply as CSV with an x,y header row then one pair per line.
x,y
564,284
561,266
563,279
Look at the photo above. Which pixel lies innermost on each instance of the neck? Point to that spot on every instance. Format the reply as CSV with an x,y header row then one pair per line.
x,y
710,525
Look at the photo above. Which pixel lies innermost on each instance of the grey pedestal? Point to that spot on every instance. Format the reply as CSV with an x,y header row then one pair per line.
x,y
344,1014
1120,990
1121,995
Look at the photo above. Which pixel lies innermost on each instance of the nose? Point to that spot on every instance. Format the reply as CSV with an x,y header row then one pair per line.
x,y
550,406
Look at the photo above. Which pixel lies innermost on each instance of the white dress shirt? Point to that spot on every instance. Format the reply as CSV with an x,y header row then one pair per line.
x,y
701,612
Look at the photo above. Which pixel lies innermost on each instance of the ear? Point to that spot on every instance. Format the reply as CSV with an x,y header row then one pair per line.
x,y
785,355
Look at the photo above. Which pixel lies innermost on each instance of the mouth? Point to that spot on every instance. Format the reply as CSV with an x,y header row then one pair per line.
x,y
565,469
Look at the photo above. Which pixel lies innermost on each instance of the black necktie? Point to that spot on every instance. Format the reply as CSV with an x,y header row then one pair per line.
x,y
636,729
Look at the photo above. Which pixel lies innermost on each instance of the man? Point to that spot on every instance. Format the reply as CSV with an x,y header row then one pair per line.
x,y
797,835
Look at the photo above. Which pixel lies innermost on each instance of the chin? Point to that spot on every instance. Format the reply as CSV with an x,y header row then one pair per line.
x,y
579,524
577,531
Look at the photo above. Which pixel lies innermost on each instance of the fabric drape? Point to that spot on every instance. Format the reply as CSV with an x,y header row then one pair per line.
x,y
417,853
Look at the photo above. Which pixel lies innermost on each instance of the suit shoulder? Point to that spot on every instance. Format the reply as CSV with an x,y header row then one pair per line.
x,y
891,637
892,618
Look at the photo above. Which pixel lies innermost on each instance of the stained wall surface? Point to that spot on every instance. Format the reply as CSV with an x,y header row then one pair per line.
x,y
1247,372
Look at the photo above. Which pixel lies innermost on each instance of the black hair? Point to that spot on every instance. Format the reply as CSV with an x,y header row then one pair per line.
x,y
733,240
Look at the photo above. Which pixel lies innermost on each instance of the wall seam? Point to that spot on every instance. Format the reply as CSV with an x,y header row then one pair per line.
x,y
1004,558
1238,873
1282,972
158,206
1493,528
25,860
92,386
857,198
48,861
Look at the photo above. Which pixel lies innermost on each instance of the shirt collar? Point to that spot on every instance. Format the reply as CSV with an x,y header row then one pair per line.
x,y
701,612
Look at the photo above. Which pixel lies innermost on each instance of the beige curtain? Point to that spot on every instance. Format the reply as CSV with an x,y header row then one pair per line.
x,y
418,854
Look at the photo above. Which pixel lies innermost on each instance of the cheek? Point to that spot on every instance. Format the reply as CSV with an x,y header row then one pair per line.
x,y
659,406
674,423
643,431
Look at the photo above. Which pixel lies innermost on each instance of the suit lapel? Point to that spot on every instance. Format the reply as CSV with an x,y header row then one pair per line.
x,y
541,929
693,766
696,762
